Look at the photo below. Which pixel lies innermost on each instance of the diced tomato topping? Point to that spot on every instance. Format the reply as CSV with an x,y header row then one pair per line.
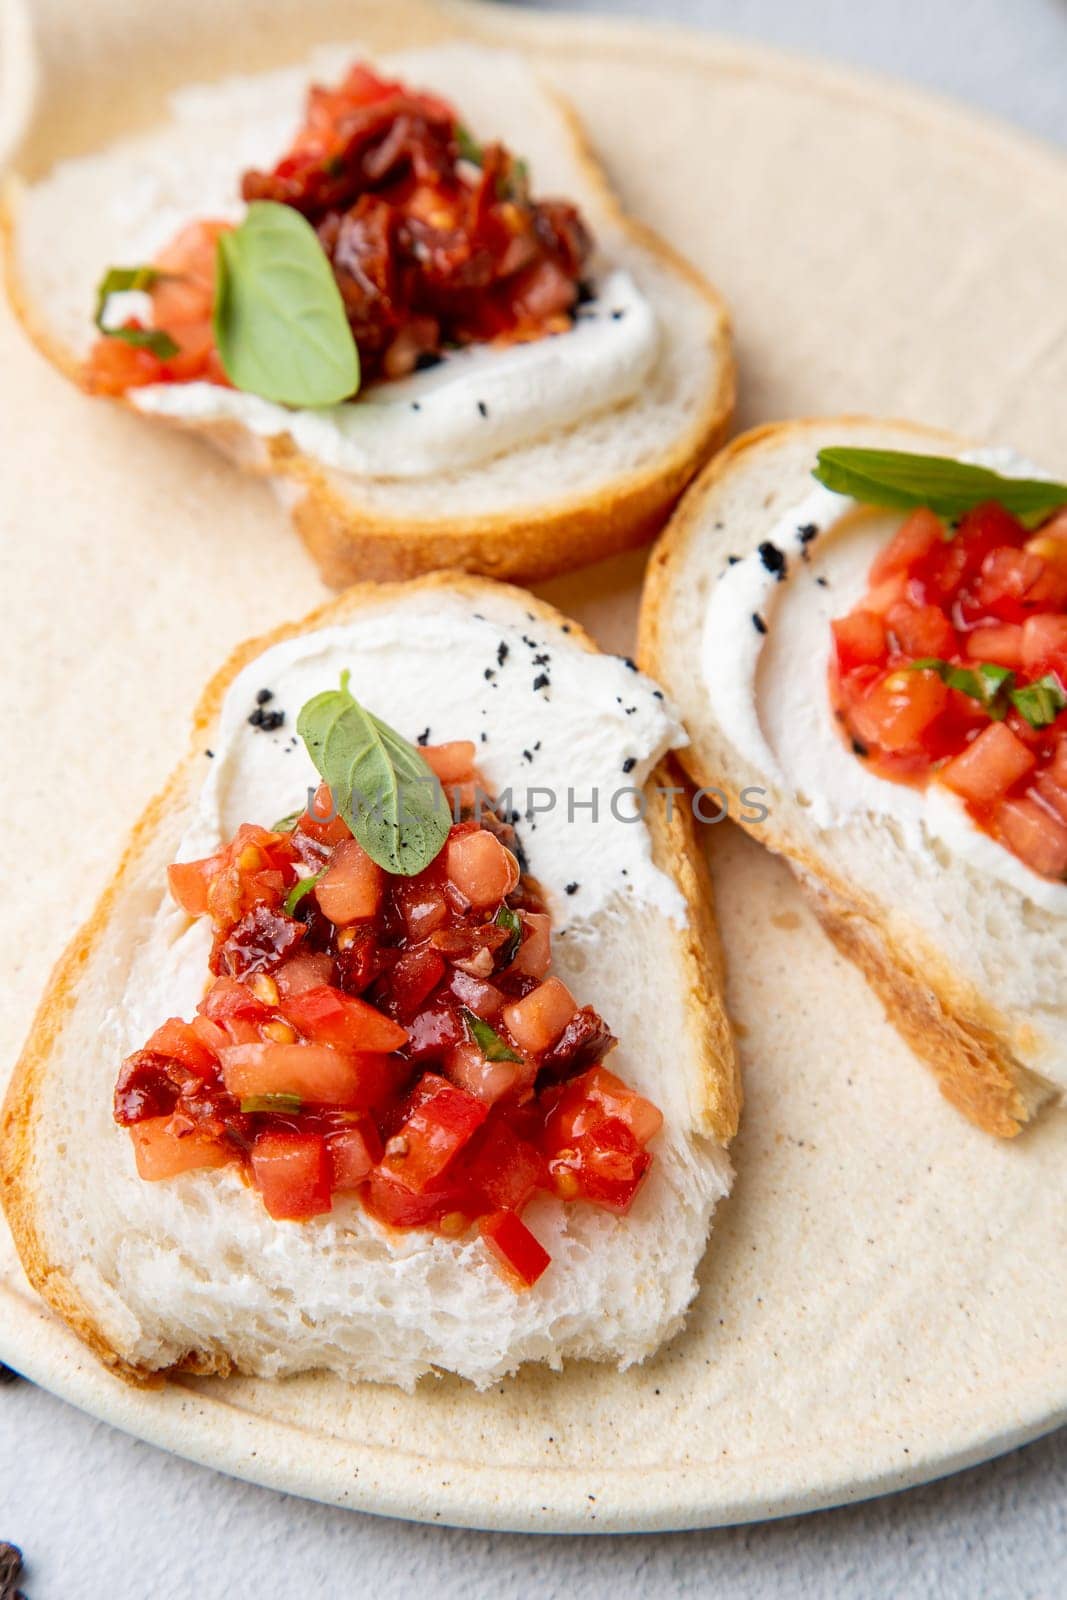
x,y
989,767
353,885
933,672
292,1173
397,1039
481,868
332,1017
514,1247
536,1021
452,763
161,1153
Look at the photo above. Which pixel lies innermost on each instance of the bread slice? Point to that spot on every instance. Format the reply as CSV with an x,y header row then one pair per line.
x,y
567,495
965,953
192,1272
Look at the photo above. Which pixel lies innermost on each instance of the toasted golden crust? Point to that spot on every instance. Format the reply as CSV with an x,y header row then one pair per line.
x,y
717,1092
350,542
944,1019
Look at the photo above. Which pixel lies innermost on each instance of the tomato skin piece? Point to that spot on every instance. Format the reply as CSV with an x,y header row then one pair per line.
x,y
536,1021
180,1041
921,631
433,1133
505,1169
450,763
389,1202
308,970
607,1163
1035,835
321,821
989,767
414,978
329,1016
593,1097
292,1173
190,881
161,1154
480,867
859,639
514,1248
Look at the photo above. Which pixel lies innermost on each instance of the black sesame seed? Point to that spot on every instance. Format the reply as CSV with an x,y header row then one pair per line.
x,y
618,313
415,406
256,719
541,681
629,764
483,409
424,737
657,694
570,888
210,754
271,720
822,582
628,661
489,674
484,737
807,532
542,660
263,695
758,623
501,653
731,561
773,559
566,628
527,755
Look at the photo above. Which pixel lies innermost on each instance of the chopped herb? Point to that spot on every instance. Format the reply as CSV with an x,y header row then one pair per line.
x,y
487,1039
277,1103
1040,703
124,280
287,823
986,683
302,887
509,920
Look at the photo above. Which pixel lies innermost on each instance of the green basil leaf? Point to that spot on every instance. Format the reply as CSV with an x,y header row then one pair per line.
x,y
487,1039
278,1103
986,683
287,823
279,320
902,481
508,919
380,784
1040,703
300,888
122,280
468,147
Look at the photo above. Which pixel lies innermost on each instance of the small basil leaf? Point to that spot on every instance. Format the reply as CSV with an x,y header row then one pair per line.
x,y
278,1103
287,823
300,888
380,784
123,280
1040,703
468,147
986,683
901,481
279,320
509,920
487,1039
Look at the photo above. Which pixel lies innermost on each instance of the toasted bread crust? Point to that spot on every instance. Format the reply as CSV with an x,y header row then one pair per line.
x,y
351,543
716,1089
944,1019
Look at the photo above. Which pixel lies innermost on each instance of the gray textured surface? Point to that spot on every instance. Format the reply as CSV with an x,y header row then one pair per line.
x,y
102,1517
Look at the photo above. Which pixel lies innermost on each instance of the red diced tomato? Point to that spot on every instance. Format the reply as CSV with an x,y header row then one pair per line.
x,y
316,1072
353,1152
1044,645
479,996
592,1098
1053,793
414,978
1001,643
900,709
921,631
514,1247
322,822
353,885
535,952
190,882
423,905
180,1041
504,1169
1034,835
432,1134
433,1032
606,1163
490,1081
920,534
536,1021
162,1154
304,971
390,1202
227,998
989,767
292,1173
480,867
329,1016
1016,581
860,639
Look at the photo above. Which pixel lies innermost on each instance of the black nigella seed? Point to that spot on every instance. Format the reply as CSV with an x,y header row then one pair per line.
x,y
484,737
822,582
807,532
618,314
773,558
758,623
415,406
731,561
483,409
210,754
570,888
263,695
657,694
501,653
541,681
272,720
256,719
629,662
527,755
629,764
489,673
424,737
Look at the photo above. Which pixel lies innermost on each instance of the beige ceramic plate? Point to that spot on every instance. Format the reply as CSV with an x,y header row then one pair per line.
x,y
883,1296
